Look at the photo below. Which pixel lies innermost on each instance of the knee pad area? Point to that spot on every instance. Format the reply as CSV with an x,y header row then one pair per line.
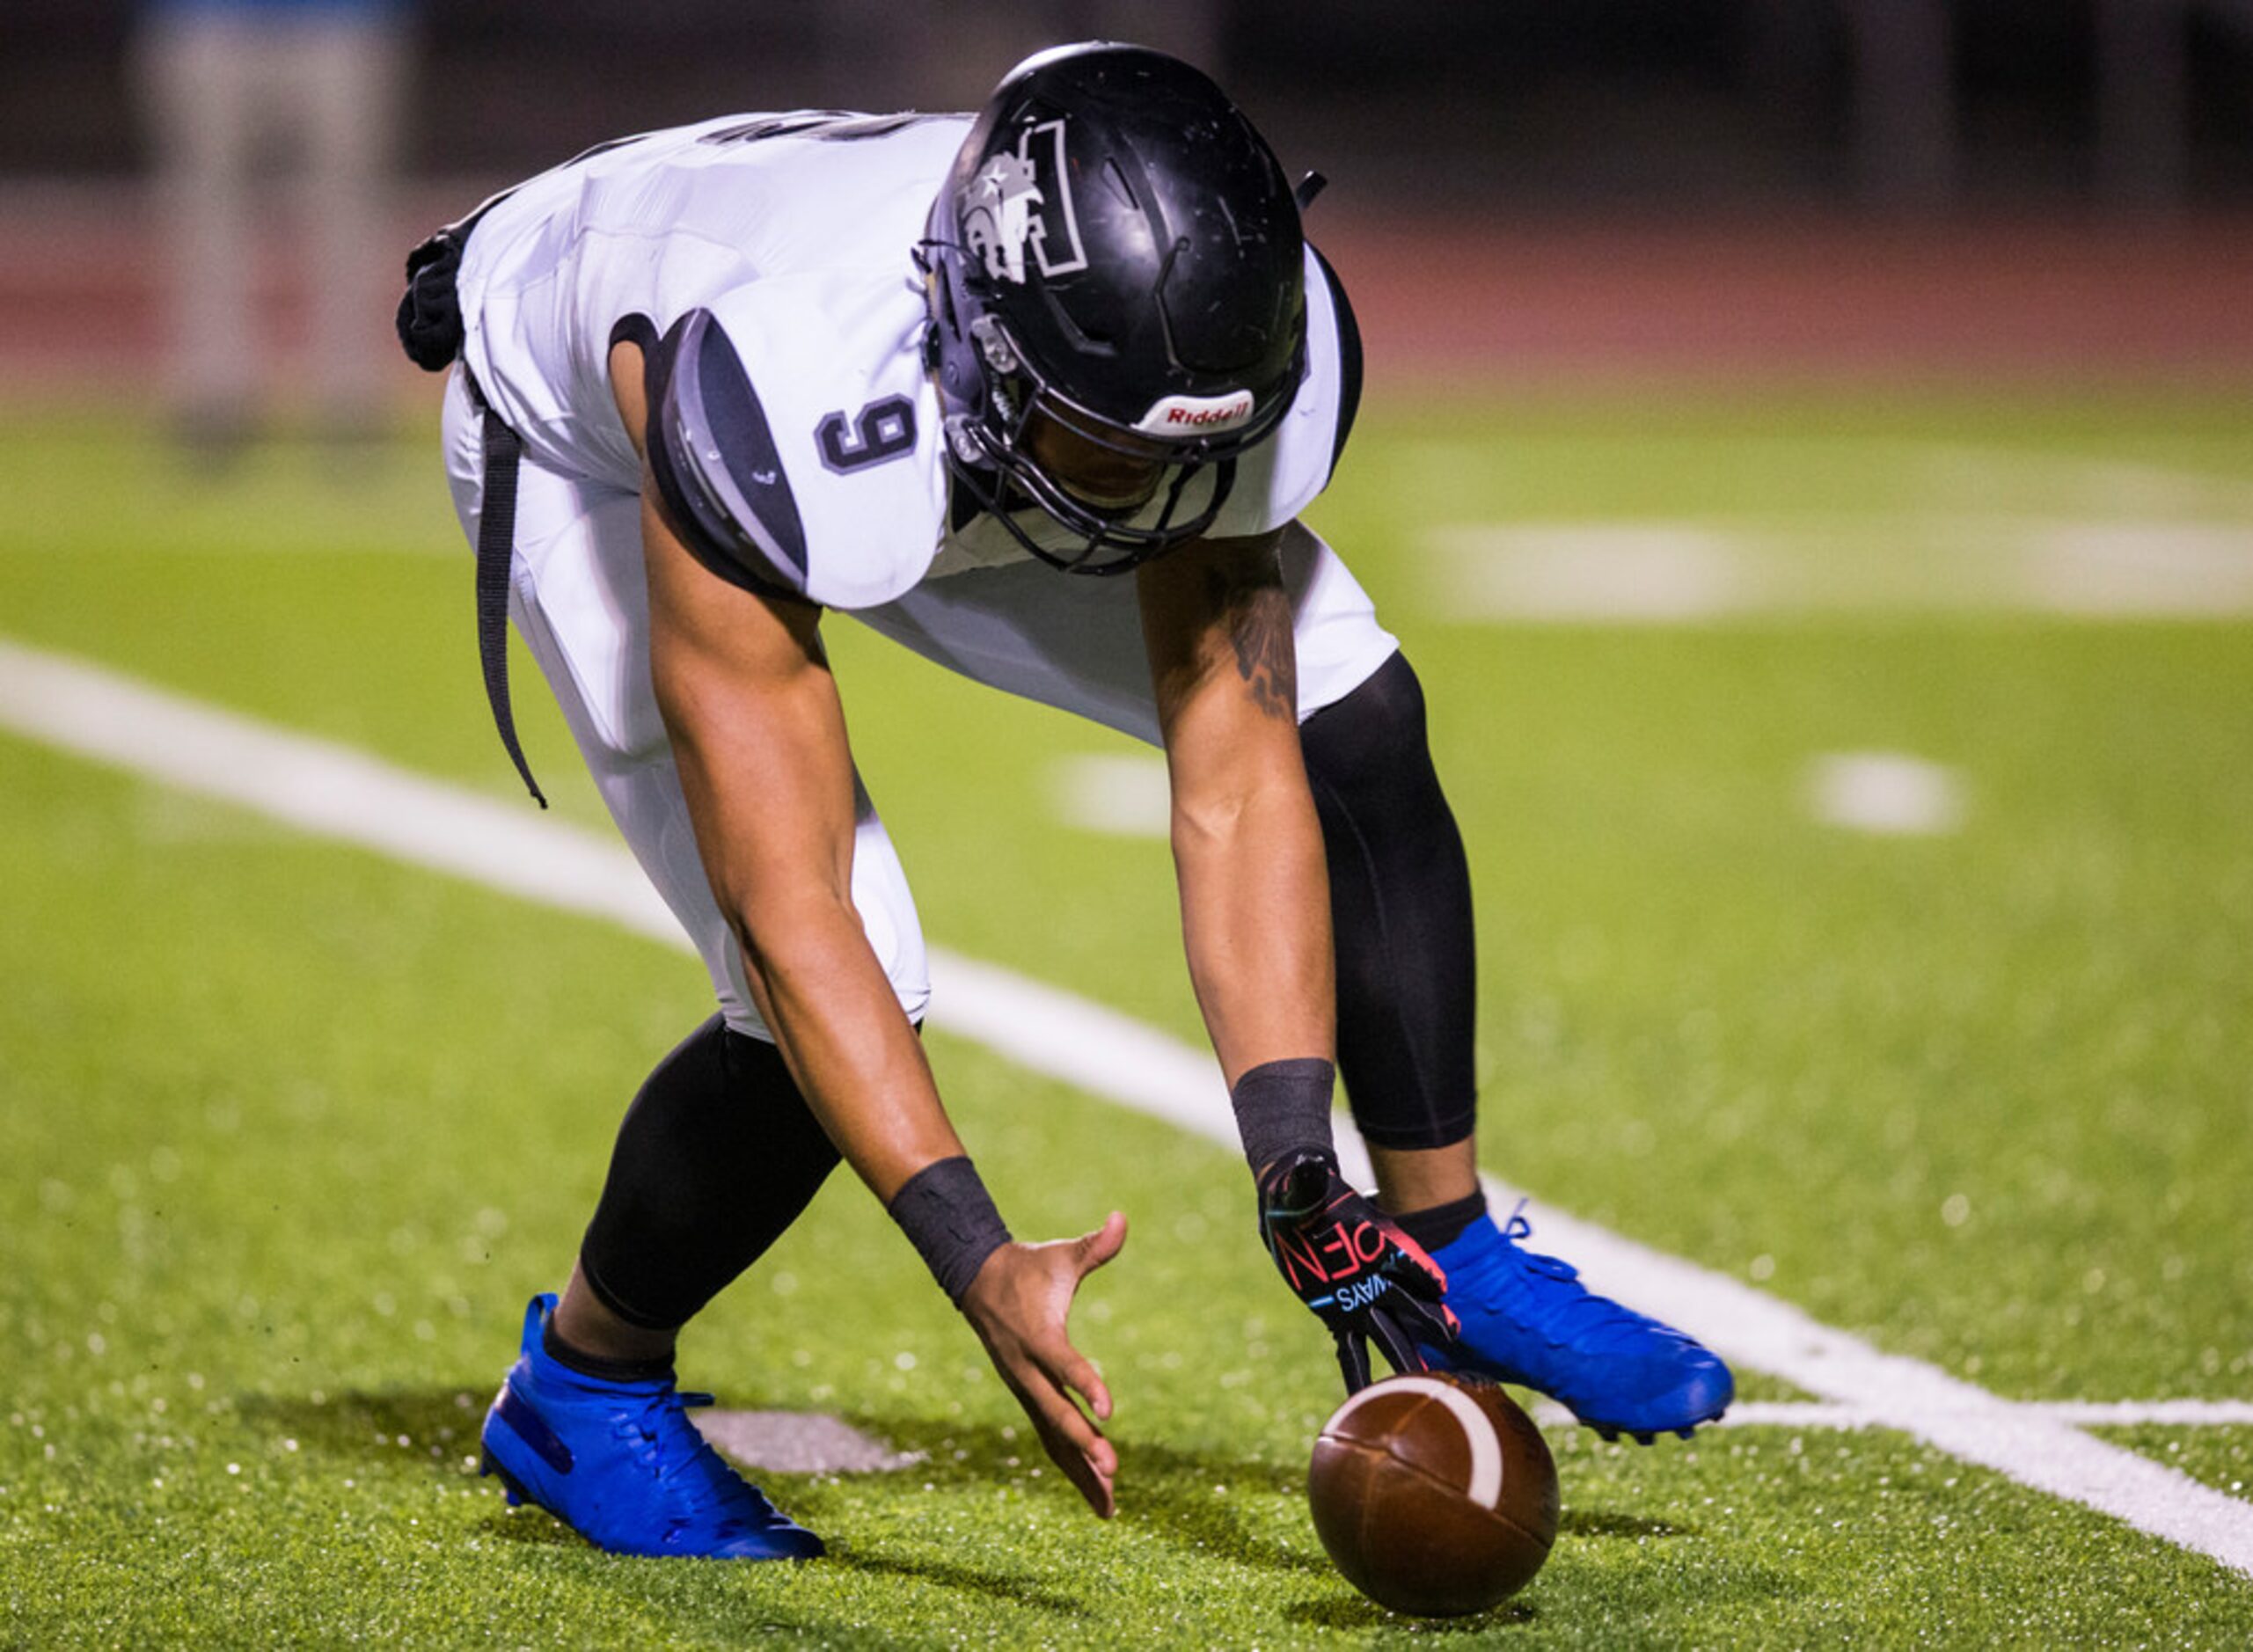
x,y
1400,914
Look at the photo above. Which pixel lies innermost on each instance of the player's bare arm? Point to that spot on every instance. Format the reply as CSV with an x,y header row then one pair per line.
x,y
758,733
1247,849
1256,917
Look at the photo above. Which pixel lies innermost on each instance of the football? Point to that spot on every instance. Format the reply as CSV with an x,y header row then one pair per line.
x,y
1434,1493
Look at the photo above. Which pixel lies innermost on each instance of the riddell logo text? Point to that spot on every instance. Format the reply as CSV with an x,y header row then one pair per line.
x,y
1209,415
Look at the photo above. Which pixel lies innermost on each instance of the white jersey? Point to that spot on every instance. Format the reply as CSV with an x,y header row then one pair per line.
x,y
765,263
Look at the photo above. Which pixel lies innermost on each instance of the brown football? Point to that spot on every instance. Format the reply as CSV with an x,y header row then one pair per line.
x,y
1434,1493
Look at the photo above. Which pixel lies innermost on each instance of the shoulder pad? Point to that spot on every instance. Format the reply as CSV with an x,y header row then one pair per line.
x,y
825,482
714,462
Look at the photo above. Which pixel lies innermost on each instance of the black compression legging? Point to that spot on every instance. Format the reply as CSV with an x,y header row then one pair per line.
x,y
1400,910
718,1155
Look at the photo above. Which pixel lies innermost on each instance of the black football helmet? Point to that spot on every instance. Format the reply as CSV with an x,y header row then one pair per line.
x,y
1115,253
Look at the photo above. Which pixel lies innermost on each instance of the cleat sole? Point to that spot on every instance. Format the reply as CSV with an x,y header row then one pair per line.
x,y
517,1496
1611,1431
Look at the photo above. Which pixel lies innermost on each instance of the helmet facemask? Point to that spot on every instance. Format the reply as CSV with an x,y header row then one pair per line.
x,y
994,452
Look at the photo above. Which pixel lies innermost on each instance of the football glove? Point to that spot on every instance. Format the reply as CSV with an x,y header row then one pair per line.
x,y
1363,1277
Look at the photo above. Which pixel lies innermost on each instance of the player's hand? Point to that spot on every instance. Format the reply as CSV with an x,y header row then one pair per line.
x,y
1017,1305
1363,1277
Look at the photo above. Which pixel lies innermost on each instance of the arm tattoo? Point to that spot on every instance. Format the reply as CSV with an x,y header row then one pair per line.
x,y
1254,610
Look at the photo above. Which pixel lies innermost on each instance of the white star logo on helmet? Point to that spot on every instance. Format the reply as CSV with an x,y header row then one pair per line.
x,y
999,218
1006,210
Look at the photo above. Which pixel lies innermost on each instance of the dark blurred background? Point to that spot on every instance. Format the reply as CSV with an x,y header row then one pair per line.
x,y
1585,105
1523,189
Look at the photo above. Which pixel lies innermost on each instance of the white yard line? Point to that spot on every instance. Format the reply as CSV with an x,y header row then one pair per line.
x,y
2084,484
1889,793
1121,794
2108,1413
1690,572
349,796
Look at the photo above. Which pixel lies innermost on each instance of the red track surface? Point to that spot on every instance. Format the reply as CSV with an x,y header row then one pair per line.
x,y
1539,304
1810,299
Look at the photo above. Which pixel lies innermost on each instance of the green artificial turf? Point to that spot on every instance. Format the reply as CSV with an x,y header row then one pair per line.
x,y
295,1131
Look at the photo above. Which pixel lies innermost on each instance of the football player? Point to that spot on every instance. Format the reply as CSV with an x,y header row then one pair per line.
x,y
1040,394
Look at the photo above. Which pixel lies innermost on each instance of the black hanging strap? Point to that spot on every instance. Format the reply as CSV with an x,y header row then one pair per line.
x,y
496,550
432,331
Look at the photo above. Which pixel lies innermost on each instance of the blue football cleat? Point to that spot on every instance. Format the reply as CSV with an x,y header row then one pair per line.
x,y
621,1463
1527,1319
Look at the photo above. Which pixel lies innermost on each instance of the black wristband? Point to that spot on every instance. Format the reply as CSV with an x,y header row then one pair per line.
x,y
1282,1107
950,1219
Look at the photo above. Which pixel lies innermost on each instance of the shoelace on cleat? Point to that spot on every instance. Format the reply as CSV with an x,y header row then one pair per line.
x,y
1565,1311
694,1479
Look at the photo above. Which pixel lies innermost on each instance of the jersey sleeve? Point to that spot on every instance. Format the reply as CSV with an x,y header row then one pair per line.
x,y
1287,472
790,456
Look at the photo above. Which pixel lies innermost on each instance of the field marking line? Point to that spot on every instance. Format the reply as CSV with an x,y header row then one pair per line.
x,y
801,1443
1885,793
1693,572
1118,795
2093,485
354,798
1819,1414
